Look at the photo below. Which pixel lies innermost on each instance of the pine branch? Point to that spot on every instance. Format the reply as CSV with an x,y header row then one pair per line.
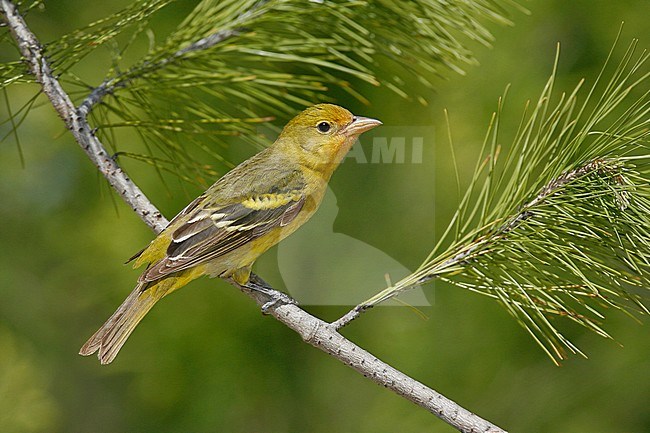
x,y
559,226
109,86
464,253
314,331
75,120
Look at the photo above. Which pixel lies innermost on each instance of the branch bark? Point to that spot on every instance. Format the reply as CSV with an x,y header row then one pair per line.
x,y
314,331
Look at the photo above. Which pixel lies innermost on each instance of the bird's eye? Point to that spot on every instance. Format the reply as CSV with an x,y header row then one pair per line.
x,y
324,127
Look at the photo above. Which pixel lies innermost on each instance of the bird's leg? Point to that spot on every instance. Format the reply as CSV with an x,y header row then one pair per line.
x,y
256,284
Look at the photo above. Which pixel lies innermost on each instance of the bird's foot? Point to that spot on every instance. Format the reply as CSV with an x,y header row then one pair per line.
x,y
277,298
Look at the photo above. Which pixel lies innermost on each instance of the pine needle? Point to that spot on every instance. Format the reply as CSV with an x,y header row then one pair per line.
x,y
564,226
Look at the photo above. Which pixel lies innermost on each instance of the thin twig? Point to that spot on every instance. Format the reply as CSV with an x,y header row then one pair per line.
x,y
465,251
313,330
348,317
109,86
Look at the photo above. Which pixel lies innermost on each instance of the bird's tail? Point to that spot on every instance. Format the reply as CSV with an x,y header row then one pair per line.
x,y
110,338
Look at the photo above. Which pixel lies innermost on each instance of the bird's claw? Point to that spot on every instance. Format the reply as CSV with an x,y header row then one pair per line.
x,y
276,298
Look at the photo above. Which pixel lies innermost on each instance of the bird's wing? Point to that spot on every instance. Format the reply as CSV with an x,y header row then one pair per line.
x,y
212,231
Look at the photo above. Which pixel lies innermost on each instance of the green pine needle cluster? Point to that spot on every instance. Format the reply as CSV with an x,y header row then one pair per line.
x,y
255,69
559,226
231,66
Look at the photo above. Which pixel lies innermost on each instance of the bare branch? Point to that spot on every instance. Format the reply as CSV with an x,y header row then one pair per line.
x,y
314,331
325,337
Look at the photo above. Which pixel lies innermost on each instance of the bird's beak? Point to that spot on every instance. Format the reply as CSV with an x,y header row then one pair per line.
x,y
360,125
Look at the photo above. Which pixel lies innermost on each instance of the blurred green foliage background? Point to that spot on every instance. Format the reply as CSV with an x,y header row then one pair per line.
x,y
205,359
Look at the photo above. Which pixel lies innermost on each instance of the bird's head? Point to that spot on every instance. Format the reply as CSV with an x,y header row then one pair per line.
x,y
322,135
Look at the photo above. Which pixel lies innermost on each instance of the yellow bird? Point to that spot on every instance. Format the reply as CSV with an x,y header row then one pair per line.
x,y
251,208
